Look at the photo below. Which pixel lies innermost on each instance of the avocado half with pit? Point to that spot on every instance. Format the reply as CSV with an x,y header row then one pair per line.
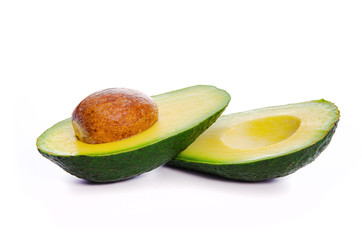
x,y
182,116
262,144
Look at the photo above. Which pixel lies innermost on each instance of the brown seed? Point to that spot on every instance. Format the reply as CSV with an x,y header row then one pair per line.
x,y
113,114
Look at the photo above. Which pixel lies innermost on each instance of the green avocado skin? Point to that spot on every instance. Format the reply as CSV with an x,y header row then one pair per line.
x,y
263,169
116,167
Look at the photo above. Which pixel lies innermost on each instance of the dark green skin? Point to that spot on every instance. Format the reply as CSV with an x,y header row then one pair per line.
x,y
261,170
119,166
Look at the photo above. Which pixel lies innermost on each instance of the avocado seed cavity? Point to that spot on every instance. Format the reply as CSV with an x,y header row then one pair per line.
x,y
113,114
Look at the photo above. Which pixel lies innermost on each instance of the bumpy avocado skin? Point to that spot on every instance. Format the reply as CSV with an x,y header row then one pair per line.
x,y
263,169
116,167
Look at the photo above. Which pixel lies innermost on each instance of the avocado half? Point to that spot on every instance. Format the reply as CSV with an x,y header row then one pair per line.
x,y
262,144
183,115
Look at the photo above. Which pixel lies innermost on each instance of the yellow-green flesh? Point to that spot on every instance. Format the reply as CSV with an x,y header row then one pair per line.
x,y
177,110
262,133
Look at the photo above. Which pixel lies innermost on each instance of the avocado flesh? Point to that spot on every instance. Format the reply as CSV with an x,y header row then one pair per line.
x,y
183,115
262,144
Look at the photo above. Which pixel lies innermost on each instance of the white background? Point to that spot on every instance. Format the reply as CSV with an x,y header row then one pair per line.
x,y
264,53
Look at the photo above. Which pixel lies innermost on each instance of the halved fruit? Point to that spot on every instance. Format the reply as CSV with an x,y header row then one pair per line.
x,y
262,144
183,115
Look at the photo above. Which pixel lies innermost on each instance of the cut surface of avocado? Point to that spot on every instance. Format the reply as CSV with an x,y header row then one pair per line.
x,y
183,115
281,138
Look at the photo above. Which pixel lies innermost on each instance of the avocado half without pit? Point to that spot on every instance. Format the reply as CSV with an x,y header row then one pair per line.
x,y
116,134
262,144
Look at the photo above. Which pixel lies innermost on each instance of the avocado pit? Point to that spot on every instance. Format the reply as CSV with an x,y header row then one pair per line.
x,y
113,114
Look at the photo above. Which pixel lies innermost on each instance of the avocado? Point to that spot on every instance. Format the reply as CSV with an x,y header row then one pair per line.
x,y
182,116
262,144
